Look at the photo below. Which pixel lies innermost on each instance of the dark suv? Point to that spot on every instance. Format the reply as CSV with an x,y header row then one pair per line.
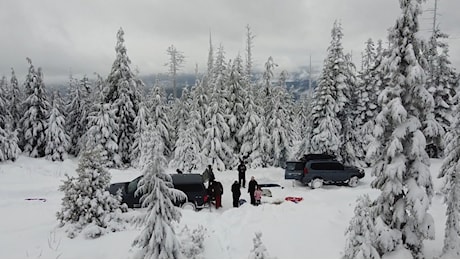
x,y
191,184
319,169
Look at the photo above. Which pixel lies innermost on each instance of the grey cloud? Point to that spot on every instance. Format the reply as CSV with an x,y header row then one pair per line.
x,y
79,36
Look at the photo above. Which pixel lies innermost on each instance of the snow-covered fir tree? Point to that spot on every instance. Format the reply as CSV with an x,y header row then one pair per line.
x,y
349,149
366,100
102,134
442,83
360,232
253,144
158,238
35,118
15,98
86,202
187,152
180,110
77,110
140,123
237,88
402,170
280,123
450,172
160,117
217,130
9,149
192,242
121,93
329,99
306,103
259,251
57,140
379,78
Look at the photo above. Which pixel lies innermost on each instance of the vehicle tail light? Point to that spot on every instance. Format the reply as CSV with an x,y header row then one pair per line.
x,y
205,198
305,171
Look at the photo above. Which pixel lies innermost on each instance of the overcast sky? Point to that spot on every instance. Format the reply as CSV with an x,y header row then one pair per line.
x,y
79,37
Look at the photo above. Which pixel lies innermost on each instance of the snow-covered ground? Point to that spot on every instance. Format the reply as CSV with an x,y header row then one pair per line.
x,y
312,228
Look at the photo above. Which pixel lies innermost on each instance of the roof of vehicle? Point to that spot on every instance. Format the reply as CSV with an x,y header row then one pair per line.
x,y
187,178
322,156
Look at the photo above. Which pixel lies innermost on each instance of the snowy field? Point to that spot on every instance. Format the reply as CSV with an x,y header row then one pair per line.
x,y
312,228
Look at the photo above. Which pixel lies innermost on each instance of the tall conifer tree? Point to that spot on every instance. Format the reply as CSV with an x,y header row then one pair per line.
x,y
402,168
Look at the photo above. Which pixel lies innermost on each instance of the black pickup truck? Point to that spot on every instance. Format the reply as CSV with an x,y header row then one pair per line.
x,y
319,169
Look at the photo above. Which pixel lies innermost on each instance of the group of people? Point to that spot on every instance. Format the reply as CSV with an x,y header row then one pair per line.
x,y
215,188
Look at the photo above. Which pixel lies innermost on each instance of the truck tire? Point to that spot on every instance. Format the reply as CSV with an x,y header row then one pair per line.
x,y
353,181
317,183
188,206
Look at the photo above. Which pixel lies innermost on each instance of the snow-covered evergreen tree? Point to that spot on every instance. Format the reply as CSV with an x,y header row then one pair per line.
x,y
158,238
102,134
77,108
217,131
450,172
35,119
349,149
86,202
259,251
360,233
442,84
379,78
159,116
57,140
192,242
402,169
237,88
187,152
306,103
254,139
329,99
9,149
121,93
366,100
15,98
140,122
280,123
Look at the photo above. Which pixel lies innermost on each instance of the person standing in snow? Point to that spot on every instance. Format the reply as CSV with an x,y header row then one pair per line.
x,y
236,192
251,189
218,190
258,195
208,175
242,174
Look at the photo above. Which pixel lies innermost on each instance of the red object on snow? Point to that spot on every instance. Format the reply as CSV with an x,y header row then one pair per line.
x,y
294,199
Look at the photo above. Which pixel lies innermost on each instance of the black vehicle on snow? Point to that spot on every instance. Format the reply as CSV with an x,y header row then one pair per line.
x,y
191,184
319,169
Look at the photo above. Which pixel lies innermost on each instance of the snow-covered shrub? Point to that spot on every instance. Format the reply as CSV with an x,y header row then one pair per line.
x,y
192,242
87,206
259,251
360,233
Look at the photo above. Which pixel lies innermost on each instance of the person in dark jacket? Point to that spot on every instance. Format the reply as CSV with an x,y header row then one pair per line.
x,y
208,175
251,189
218,191
236,194
242,174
